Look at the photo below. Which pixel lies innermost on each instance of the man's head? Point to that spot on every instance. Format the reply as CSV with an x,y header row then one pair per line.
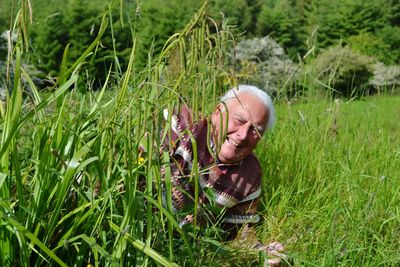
x,y
239,121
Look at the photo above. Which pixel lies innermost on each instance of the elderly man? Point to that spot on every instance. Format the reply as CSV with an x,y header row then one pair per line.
x,y
229,173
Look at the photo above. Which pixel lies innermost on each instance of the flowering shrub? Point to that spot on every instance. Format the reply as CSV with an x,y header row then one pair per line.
x,y
385,77
343,71
262,61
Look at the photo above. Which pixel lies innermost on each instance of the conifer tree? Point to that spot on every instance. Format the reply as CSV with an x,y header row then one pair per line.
x,y
394,12
158,20
49,42
243,14
364,17
280,21
83,24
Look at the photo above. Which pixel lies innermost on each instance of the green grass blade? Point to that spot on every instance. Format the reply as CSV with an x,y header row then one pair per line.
x,y
139,245
6,139
15,224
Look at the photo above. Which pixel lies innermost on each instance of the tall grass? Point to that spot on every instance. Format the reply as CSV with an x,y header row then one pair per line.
x,y
75,186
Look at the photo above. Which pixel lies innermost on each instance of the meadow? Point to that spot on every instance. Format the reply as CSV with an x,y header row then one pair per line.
x,y
77,190
331,182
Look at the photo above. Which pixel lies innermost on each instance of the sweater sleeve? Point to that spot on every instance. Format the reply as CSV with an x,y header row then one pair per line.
x,y
177,144
242,213
245,211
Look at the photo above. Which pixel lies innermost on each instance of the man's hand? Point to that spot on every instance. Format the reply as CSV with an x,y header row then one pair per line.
x,y
274,251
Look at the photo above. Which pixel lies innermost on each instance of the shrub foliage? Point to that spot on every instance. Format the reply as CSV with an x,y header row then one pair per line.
x,y
343,71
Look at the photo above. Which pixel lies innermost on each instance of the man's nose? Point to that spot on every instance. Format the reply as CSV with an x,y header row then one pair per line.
x,y
243,132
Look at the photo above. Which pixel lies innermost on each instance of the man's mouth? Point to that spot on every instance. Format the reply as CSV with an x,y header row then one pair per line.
x,y
230,141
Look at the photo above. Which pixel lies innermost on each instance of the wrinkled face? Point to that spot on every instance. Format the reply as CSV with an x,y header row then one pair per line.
x,y
238,126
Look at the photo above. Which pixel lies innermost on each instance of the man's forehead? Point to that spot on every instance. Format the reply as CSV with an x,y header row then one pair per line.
x,y
242,104
244,113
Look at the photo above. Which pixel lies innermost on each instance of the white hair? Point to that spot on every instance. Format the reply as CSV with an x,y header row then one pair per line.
x,y
262,95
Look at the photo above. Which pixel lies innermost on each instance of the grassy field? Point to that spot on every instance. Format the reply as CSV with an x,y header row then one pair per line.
x,y
75,190
330,190
331,182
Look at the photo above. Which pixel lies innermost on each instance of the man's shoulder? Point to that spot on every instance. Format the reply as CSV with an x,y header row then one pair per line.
x,y
251,161
184,119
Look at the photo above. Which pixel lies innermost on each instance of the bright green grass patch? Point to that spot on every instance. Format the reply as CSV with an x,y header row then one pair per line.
x,y
331,182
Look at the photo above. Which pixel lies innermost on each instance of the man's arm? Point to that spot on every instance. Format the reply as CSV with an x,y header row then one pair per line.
x,y
245,235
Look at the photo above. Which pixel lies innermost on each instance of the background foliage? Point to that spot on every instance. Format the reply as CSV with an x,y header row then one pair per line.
x,y
301,27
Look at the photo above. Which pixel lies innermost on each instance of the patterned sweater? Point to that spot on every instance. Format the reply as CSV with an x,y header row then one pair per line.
x,y
233,187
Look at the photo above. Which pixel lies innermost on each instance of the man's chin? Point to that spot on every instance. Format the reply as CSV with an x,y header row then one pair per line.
x,y
228,159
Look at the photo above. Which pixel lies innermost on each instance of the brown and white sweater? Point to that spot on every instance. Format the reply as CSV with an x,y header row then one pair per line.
x,y
235,187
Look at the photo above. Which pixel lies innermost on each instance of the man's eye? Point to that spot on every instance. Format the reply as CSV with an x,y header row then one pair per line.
x,y
240,121
254,131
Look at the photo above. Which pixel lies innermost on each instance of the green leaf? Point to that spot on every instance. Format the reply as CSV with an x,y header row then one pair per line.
x,y
16,225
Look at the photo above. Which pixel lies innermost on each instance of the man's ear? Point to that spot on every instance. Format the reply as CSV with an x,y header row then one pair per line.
x,y
219,108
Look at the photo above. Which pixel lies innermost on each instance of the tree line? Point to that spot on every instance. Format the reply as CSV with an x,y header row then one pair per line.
x,y
371,28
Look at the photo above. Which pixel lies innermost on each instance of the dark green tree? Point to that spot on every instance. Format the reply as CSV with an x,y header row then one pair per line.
x,y
83,24
255,8
338,20
390,35
77,23
243,14
394,12
281,22
365,16
158,20
49,42
329,19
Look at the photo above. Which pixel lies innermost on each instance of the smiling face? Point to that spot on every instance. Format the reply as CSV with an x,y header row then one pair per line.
x,y
238,126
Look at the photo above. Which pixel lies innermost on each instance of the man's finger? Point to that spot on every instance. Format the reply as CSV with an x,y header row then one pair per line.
x,y
275,253
276,246
272,262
